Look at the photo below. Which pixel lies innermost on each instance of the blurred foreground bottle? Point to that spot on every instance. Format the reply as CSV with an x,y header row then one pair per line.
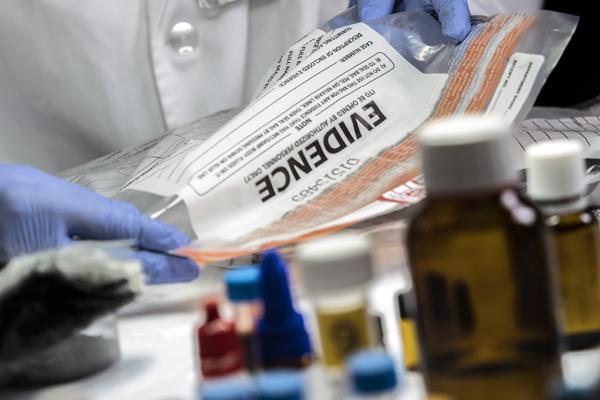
x,y
283,339
556,183
280,385
372,375
227,389
220,354
243,291
481,269
336,271
407,319
561,392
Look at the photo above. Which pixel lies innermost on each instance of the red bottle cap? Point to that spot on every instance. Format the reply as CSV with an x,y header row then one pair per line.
x,y
219,348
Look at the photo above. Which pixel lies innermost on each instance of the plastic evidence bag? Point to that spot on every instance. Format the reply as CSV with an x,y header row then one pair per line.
x,y
329,138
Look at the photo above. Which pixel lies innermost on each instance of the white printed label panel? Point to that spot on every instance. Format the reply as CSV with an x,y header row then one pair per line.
x,y
343,105
516,83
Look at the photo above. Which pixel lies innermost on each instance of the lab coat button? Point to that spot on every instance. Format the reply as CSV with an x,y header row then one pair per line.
x,y
183,38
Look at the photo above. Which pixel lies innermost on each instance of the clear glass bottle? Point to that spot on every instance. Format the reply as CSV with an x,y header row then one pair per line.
x,y
481,269
556,183
335,271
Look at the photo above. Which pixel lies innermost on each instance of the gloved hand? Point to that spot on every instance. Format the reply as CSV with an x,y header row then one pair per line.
x,y
39,211
454,14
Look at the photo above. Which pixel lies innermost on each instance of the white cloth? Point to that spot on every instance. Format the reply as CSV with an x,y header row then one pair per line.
x,y
79,79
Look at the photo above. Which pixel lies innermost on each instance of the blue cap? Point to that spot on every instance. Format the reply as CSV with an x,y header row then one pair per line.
x,y
243,284
280,385
372,371
281,331
227,389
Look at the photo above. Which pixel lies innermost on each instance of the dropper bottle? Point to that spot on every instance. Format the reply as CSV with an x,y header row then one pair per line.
x,y
243,291
220,355
283,339
555,178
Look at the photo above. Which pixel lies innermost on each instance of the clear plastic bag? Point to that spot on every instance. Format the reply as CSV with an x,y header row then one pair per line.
x,y
256,182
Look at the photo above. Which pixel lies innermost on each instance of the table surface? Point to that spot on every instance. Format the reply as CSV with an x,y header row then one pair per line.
x,y
157,348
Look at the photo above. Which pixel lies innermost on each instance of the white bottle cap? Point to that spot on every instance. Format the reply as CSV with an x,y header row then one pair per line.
x,y
336,262
555,170
465,154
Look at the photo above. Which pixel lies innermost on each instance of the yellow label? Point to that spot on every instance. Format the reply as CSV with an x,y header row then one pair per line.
x,y
410,348
342,333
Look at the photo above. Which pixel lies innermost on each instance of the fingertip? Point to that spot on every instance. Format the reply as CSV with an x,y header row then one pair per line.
x,y
185,270
162,269
455,17
457,34
156,235
373,9
368,13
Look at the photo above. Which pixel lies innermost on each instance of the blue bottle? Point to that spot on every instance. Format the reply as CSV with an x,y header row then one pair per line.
x,y
283,339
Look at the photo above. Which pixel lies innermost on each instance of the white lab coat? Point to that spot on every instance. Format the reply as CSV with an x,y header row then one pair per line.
x,y
79,79
490,7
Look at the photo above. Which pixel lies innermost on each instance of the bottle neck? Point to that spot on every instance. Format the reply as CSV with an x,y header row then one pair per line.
x,y
562,206
342,300
212,312
474,195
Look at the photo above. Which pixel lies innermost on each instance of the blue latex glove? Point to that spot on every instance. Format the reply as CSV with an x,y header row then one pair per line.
x,y
454,14
39,211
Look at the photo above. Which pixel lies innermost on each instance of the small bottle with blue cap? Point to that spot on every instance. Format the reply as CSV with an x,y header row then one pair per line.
x,y
228,389
243,291
372,375
280,385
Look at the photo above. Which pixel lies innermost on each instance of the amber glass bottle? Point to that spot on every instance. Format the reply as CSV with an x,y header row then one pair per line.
x,y
556,183
481,270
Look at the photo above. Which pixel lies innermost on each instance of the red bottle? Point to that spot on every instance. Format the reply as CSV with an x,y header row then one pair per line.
x,y
218,346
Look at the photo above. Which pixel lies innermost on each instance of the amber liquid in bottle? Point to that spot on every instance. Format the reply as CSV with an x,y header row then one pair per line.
x,y
408,330
483,283
576,239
